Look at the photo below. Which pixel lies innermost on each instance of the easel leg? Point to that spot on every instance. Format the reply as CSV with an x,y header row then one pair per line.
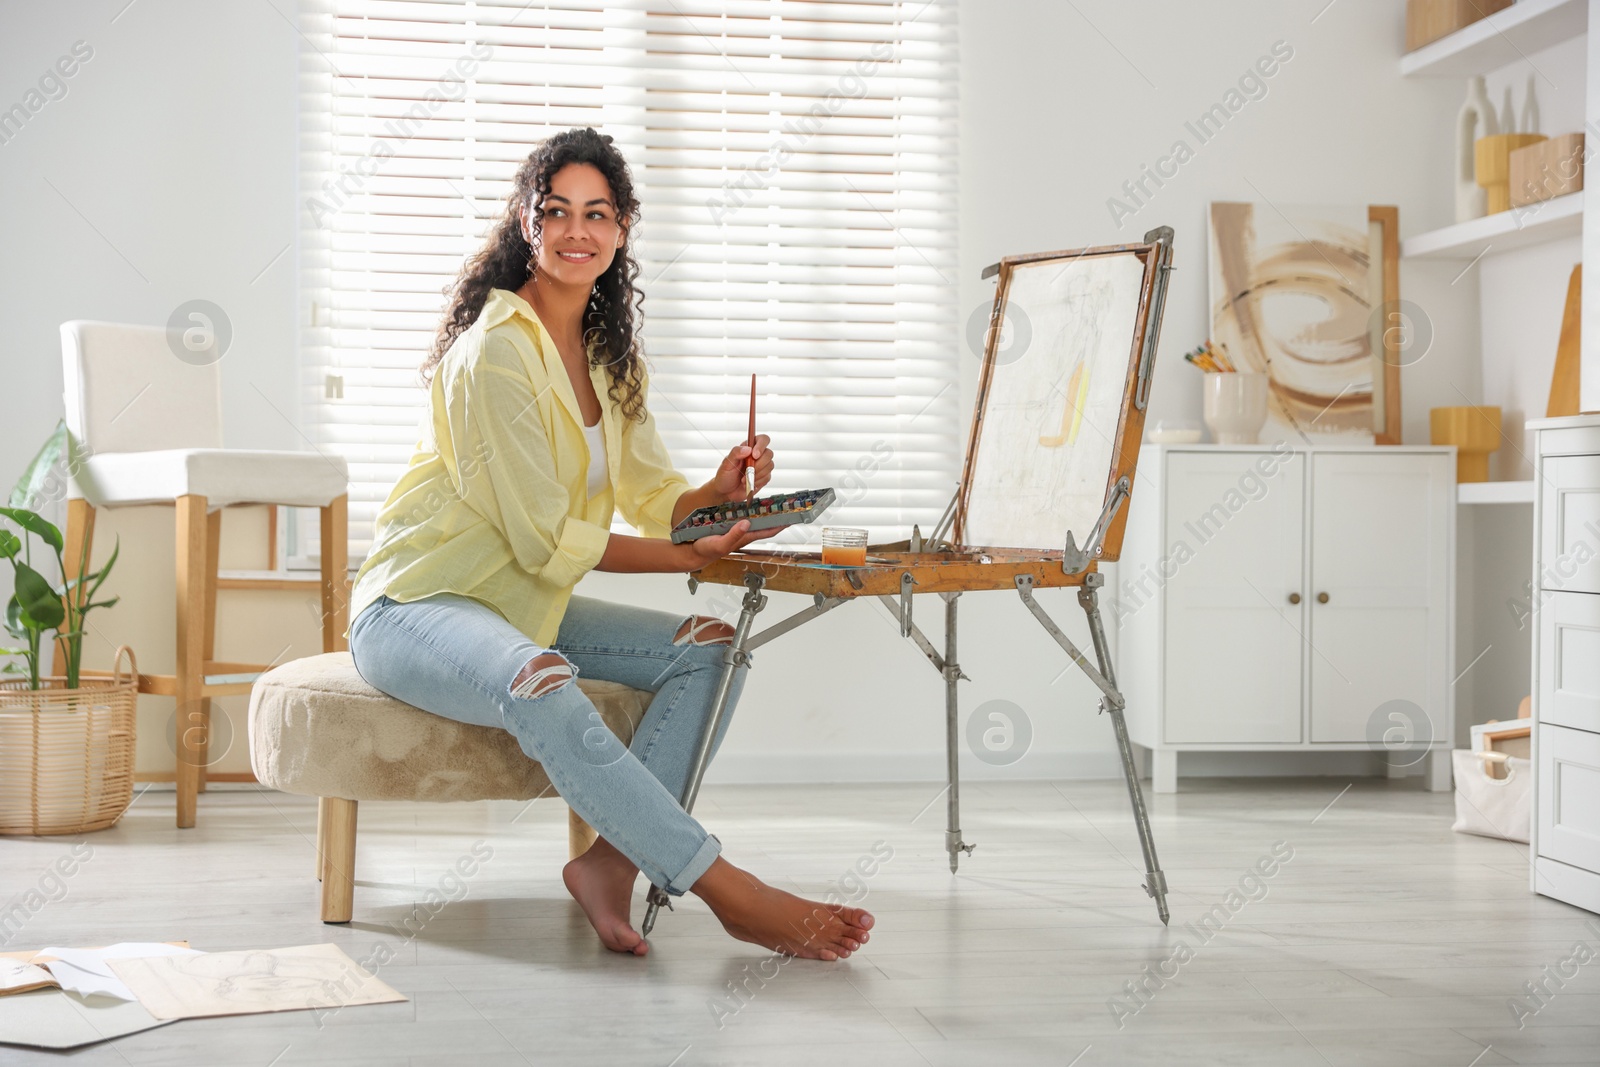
x,y
733,657
952,737
1156,885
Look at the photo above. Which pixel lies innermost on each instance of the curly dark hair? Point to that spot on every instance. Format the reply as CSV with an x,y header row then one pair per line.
x,y
506,262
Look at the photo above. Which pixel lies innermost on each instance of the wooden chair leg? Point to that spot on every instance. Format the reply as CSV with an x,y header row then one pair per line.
x,y
209,649
78,541
335,574
580,835
339,859
193,723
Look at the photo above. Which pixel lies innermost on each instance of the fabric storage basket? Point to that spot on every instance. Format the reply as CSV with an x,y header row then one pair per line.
x,y
1493,807
66,755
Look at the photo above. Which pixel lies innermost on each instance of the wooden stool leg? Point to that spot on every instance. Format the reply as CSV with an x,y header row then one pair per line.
x,y
209,644
339,862
335,574
580,835
78,542
192,721
322,837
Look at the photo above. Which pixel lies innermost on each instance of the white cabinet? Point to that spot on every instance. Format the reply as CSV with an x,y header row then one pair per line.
x,y
1236,662
1565,850
1379,617
1289,600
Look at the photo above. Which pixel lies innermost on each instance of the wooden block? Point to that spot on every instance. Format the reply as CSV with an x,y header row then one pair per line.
x,y
1546,170
1429,20
1564,379
1475,431
1492,165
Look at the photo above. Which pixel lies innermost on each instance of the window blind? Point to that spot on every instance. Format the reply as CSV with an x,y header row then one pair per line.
x,y
795,163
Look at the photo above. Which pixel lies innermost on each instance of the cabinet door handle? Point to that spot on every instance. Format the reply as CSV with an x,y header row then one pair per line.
x,y
1294,598
1322,598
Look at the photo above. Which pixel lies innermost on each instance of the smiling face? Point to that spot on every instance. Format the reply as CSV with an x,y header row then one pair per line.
x,y
580,230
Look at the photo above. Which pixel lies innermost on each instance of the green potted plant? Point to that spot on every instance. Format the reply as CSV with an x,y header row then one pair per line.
x,y
66,742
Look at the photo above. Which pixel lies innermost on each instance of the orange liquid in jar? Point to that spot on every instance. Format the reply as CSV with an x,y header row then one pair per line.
x,y
845,555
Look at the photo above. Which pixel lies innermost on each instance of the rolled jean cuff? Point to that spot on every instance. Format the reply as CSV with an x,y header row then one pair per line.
x,y
681,882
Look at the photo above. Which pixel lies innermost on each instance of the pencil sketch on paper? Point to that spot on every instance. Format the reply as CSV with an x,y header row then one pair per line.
x,y
1051,416
257,980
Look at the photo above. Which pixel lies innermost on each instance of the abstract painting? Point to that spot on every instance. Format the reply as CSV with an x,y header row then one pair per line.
x,y
1294,295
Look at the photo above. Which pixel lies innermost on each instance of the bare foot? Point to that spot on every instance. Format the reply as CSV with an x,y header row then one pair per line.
x,y
601,881
753,911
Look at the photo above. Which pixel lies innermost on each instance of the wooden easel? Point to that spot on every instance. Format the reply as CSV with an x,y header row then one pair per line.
x,y
897,573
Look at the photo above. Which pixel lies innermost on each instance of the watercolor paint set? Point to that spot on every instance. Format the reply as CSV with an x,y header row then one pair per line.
x,y
764,512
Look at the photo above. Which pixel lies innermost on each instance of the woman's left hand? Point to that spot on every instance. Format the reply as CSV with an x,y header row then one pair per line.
x,y
728,482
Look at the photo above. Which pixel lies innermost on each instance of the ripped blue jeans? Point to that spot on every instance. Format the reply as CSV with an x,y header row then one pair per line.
x,y
458,658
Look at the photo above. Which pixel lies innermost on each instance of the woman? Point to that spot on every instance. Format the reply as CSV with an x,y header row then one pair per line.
x,y
537,429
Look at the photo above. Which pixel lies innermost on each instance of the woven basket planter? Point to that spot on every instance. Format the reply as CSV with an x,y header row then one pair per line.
x,y
66,755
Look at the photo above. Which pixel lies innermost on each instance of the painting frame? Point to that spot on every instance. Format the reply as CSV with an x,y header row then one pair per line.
x,y
1383,221
1154,256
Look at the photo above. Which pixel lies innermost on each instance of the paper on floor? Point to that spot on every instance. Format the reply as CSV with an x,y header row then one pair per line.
x,y
51,1018
86,971
258,980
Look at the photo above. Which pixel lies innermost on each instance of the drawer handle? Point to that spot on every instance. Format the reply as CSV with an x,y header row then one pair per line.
x,y
1322,598
1294,598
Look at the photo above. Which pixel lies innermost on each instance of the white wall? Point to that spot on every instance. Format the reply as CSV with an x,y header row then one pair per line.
x,y
177,142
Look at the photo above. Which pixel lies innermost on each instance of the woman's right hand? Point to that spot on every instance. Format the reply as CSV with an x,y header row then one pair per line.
x,y
706,549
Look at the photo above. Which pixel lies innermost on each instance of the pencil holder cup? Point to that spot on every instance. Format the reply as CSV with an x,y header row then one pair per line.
x,y
1235,406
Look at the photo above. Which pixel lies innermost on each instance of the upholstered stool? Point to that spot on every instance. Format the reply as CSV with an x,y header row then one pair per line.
x,y
318,729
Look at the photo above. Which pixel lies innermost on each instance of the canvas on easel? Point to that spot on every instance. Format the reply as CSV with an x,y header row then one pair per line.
x,y
1056,423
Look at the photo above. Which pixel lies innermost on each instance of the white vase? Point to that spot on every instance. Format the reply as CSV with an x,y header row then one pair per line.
x,y
1530,111
1475,119
1235,407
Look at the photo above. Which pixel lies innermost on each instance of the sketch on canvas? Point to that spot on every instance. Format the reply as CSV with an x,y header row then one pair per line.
x,y
1051,416
1292,294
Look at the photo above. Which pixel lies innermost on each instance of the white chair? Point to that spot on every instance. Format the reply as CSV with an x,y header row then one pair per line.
x,y
150,428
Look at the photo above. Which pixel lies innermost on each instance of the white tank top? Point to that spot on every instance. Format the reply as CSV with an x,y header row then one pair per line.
x,y
597,456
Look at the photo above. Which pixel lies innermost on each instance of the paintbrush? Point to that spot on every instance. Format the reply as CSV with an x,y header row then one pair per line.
x,y
750,461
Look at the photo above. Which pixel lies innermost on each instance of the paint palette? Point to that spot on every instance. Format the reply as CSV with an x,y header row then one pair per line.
x,y
764,513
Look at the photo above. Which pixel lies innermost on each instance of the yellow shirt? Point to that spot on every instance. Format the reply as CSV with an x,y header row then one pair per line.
x,y
494,504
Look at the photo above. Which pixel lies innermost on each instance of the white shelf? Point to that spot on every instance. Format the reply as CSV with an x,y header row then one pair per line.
x,y
1501,39
1495,492
1501,232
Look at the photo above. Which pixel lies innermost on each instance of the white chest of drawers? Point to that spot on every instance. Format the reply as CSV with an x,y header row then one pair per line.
x,y
1289,600
1565,593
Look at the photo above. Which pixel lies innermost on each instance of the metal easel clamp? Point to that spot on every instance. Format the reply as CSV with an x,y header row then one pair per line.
x,y
1075,560
946,520
1161,237
954,844
906,584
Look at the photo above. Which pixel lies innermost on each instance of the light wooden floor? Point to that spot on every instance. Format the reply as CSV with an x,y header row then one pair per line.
x,y
1386,939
